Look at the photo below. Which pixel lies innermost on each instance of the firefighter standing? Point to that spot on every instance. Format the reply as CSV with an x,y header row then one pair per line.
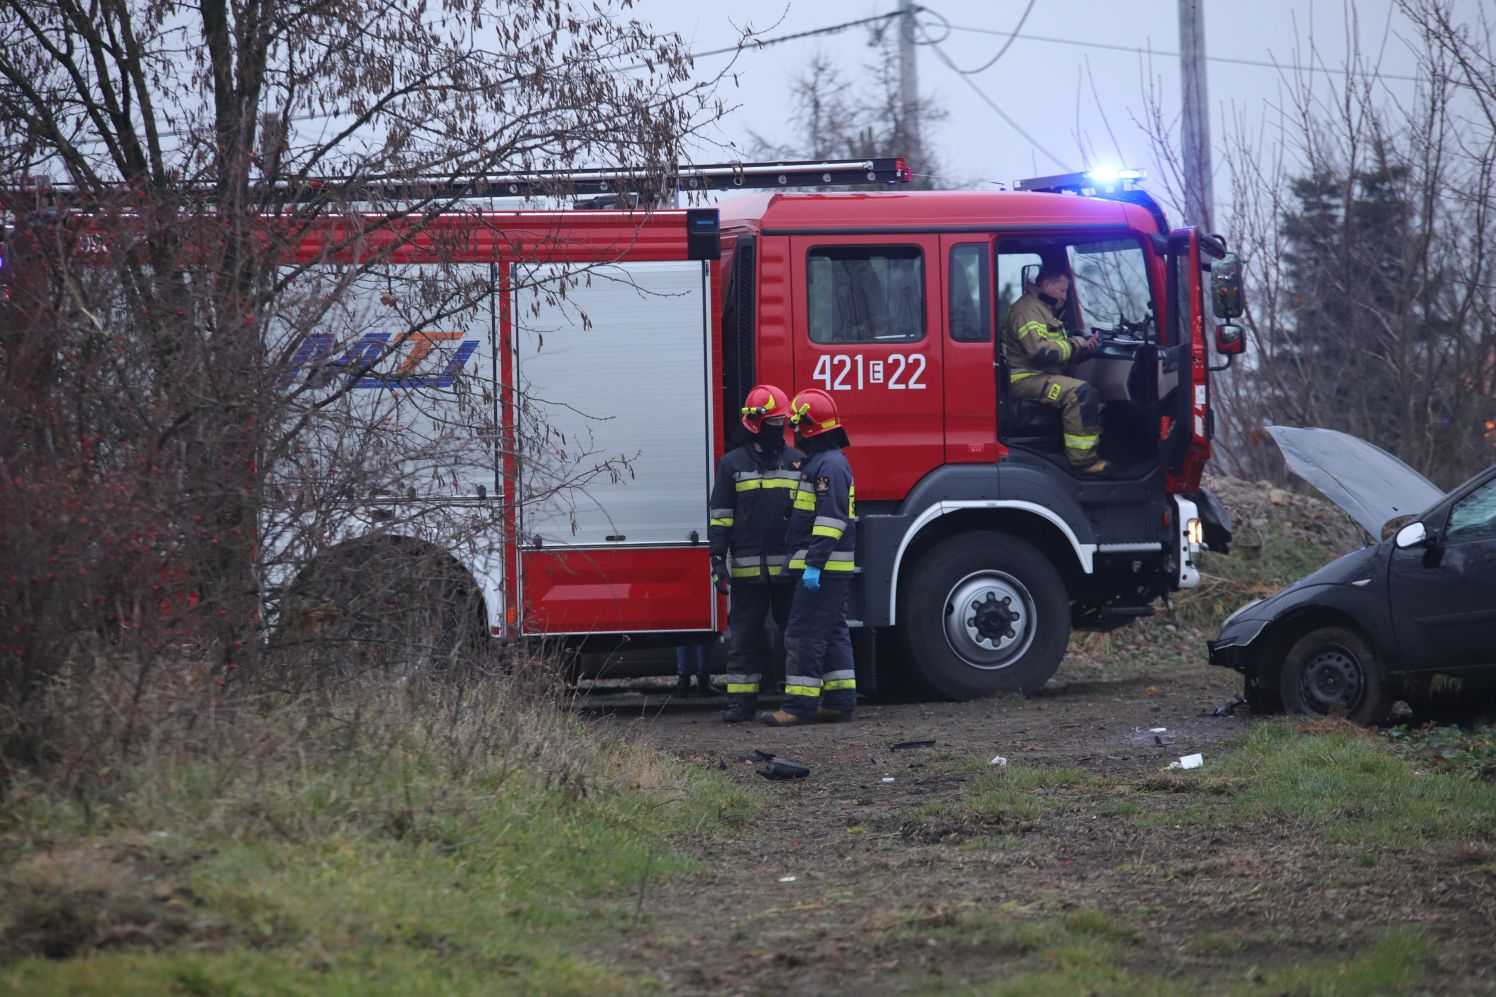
x,y
1039,351
750,506
820,681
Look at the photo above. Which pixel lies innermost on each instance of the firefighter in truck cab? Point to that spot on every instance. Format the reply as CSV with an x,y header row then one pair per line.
x,y
750,509
1039,352
820,681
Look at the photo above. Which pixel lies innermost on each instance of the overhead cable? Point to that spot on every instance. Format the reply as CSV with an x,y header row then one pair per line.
x,y
940,54
1013,36
1137,50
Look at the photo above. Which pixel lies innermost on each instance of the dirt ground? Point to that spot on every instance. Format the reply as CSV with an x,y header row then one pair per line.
x,y
900,886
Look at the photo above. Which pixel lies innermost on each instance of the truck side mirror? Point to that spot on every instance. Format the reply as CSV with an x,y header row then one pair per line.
x,y
1225,287
1231,340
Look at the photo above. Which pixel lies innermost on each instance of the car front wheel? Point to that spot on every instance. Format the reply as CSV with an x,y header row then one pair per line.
x,y
1333,671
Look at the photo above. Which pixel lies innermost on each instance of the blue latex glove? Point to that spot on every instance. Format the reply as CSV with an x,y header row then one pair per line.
x,y
812,577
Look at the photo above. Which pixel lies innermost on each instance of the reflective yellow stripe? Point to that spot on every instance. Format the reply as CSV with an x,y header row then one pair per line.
x,y
753,484
839,566
733,688
775,569
801,690
834,684
1038,328
722,521
798,564
826,531
805,500
1019,375
745,572
1081,442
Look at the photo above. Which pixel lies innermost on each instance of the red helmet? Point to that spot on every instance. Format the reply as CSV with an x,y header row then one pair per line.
x,y
813,412
764,401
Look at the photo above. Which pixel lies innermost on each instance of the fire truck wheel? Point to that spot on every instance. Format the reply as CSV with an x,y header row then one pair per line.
x,y
984,613
392,605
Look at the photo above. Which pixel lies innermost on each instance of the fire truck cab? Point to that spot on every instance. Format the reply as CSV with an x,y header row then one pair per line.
x,y
979,546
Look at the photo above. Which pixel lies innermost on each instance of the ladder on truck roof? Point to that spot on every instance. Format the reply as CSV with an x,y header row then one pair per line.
x,y
572,183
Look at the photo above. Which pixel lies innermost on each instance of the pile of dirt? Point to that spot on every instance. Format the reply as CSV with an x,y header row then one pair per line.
x,y
1260,509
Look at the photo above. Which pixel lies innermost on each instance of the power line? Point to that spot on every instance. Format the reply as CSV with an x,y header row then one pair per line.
x,y
940,53
1133,49
1012,37
766,42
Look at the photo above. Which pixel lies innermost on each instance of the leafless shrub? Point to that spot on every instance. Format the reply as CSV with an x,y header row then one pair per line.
x,y
172,438
1364,219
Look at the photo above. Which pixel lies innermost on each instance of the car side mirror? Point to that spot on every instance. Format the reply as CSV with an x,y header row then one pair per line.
x,y
1225,287
1231,340
1412,535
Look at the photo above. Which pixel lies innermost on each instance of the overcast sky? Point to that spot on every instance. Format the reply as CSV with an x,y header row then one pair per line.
x,y
1067,48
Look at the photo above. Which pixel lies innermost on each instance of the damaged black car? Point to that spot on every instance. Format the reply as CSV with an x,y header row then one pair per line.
x,y
1412,617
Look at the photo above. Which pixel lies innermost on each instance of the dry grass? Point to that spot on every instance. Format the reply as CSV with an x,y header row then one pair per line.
x,y
275,832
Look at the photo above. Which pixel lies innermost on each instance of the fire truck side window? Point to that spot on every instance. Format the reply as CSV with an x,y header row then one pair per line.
x,y
970,309
1010,278
866,294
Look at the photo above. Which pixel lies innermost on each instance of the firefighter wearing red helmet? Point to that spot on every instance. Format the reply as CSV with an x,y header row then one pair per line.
x,y
750,502
820,681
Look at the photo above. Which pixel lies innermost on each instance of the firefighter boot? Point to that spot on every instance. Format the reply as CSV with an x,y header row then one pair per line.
x,y
826,715
740,708
783,718
1095,467
683,685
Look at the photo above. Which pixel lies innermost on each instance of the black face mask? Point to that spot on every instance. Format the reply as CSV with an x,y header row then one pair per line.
x,y
769,440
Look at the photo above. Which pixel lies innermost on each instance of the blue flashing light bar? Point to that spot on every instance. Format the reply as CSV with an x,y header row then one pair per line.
x,y
1099,181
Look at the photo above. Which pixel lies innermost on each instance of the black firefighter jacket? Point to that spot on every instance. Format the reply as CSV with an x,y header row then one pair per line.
x,y
750,508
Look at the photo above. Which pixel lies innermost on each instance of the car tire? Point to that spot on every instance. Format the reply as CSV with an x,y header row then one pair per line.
x,y
1013,588
1333,671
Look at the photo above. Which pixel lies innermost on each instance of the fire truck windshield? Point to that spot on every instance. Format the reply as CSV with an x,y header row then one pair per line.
x,y
1110,287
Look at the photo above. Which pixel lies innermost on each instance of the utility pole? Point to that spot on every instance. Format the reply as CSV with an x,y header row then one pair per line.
x,y
909,144
1198,196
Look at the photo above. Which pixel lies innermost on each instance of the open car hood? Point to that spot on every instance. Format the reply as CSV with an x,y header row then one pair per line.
x,y
1370,484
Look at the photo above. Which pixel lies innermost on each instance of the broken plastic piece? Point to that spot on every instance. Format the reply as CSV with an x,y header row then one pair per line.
x,y
888,778
783,768
1188,762
786,879
999,761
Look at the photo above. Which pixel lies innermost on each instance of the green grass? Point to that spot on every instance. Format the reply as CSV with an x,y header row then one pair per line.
x,y
1096,952
409,855
1354,791
1006,795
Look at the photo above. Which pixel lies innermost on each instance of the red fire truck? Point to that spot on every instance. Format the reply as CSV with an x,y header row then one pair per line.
x,y
594,411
